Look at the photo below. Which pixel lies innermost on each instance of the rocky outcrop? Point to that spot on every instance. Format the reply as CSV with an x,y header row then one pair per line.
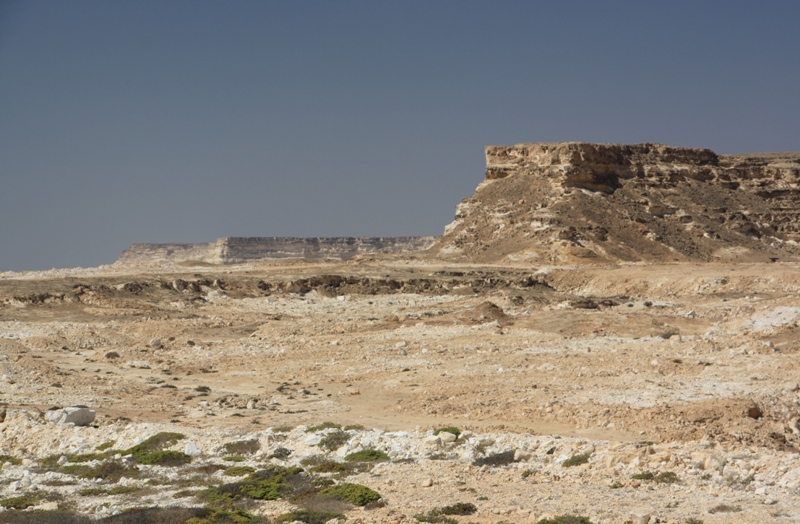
x,y
234,250
574,201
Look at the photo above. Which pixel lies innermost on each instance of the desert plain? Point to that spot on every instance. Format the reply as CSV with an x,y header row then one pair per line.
x,y
578,374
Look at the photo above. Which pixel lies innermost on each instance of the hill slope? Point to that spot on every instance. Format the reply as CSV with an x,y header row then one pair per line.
x,y
577,202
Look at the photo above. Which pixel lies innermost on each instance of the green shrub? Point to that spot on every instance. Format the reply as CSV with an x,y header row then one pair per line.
x,y
725,508
358,427
352,493
310,516
106,445
163,458
435,516
577,460
21,502
367,455
239,471
334,440
666,477
110,471
450,429
266,484
566,519
330,467
234,458
241,447
14,461
116,490
151,451
459,508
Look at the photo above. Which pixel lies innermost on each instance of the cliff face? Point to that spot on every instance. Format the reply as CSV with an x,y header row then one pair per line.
x,y
573,202
233,250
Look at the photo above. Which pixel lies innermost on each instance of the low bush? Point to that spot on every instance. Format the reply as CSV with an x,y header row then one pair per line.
x,y
577,460
239,471
367,455
334,440
566,519
353,493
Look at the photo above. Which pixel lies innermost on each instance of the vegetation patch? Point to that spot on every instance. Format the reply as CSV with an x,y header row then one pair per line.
x,y
434,516
21,502
331,466
334,440
109,471
577,460
234,458
354,427
310,516
459,508
665,477
353,493
151,451
8,459
116,490
220,516
267,484
241,447
725,508
566,519
367,455
497,459
106,445
239,471
163,458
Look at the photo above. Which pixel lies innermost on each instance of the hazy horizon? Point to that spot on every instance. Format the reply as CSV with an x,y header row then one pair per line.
x,y
188,121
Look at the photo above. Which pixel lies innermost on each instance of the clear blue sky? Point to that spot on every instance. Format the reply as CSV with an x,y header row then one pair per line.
x,y
185,121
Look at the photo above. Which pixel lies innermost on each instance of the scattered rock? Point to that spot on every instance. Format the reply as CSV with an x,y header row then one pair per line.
x,y
78,416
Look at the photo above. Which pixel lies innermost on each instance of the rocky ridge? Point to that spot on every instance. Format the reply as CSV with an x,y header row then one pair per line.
x,y
235,250
579,202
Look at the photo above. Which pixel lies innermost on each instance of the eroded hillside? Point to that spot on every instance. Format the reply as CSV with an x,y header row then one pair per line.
x,y
585,203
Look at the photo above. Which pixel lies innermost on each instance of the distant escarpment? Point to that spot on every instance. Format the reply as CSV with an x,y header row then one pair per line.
x,y
234,250
577,202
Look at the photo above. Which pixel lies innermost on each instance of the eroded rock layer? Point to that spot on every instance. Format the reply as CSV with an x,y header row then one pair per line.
x,y
233,250
573,202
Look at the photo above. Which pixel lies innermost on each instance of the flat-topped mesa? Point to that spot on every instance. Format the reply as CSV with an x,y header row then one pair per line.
x,y
235,250
624,160
605,167
560,201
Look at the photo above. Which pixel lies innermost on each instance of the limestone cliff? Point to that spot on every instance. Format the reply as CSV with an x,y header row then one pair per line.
x,y
234,250
578,202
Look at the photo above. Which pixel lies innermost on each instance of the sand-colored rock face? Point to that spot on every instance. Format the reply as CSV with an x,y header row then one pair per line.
x,y
577,202
234,250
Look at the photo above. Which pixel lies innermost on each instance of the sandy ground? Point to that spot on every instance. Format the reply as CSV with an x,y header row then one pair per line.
x,y
685,368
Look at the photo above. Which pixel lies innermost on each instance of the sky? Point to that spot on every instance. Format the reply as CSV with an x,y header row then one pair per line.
x,y
133,121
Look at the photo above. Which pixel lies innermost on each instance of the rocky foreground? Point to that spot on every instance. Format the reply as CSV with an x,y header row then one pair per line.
x,y
615,394
491,477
